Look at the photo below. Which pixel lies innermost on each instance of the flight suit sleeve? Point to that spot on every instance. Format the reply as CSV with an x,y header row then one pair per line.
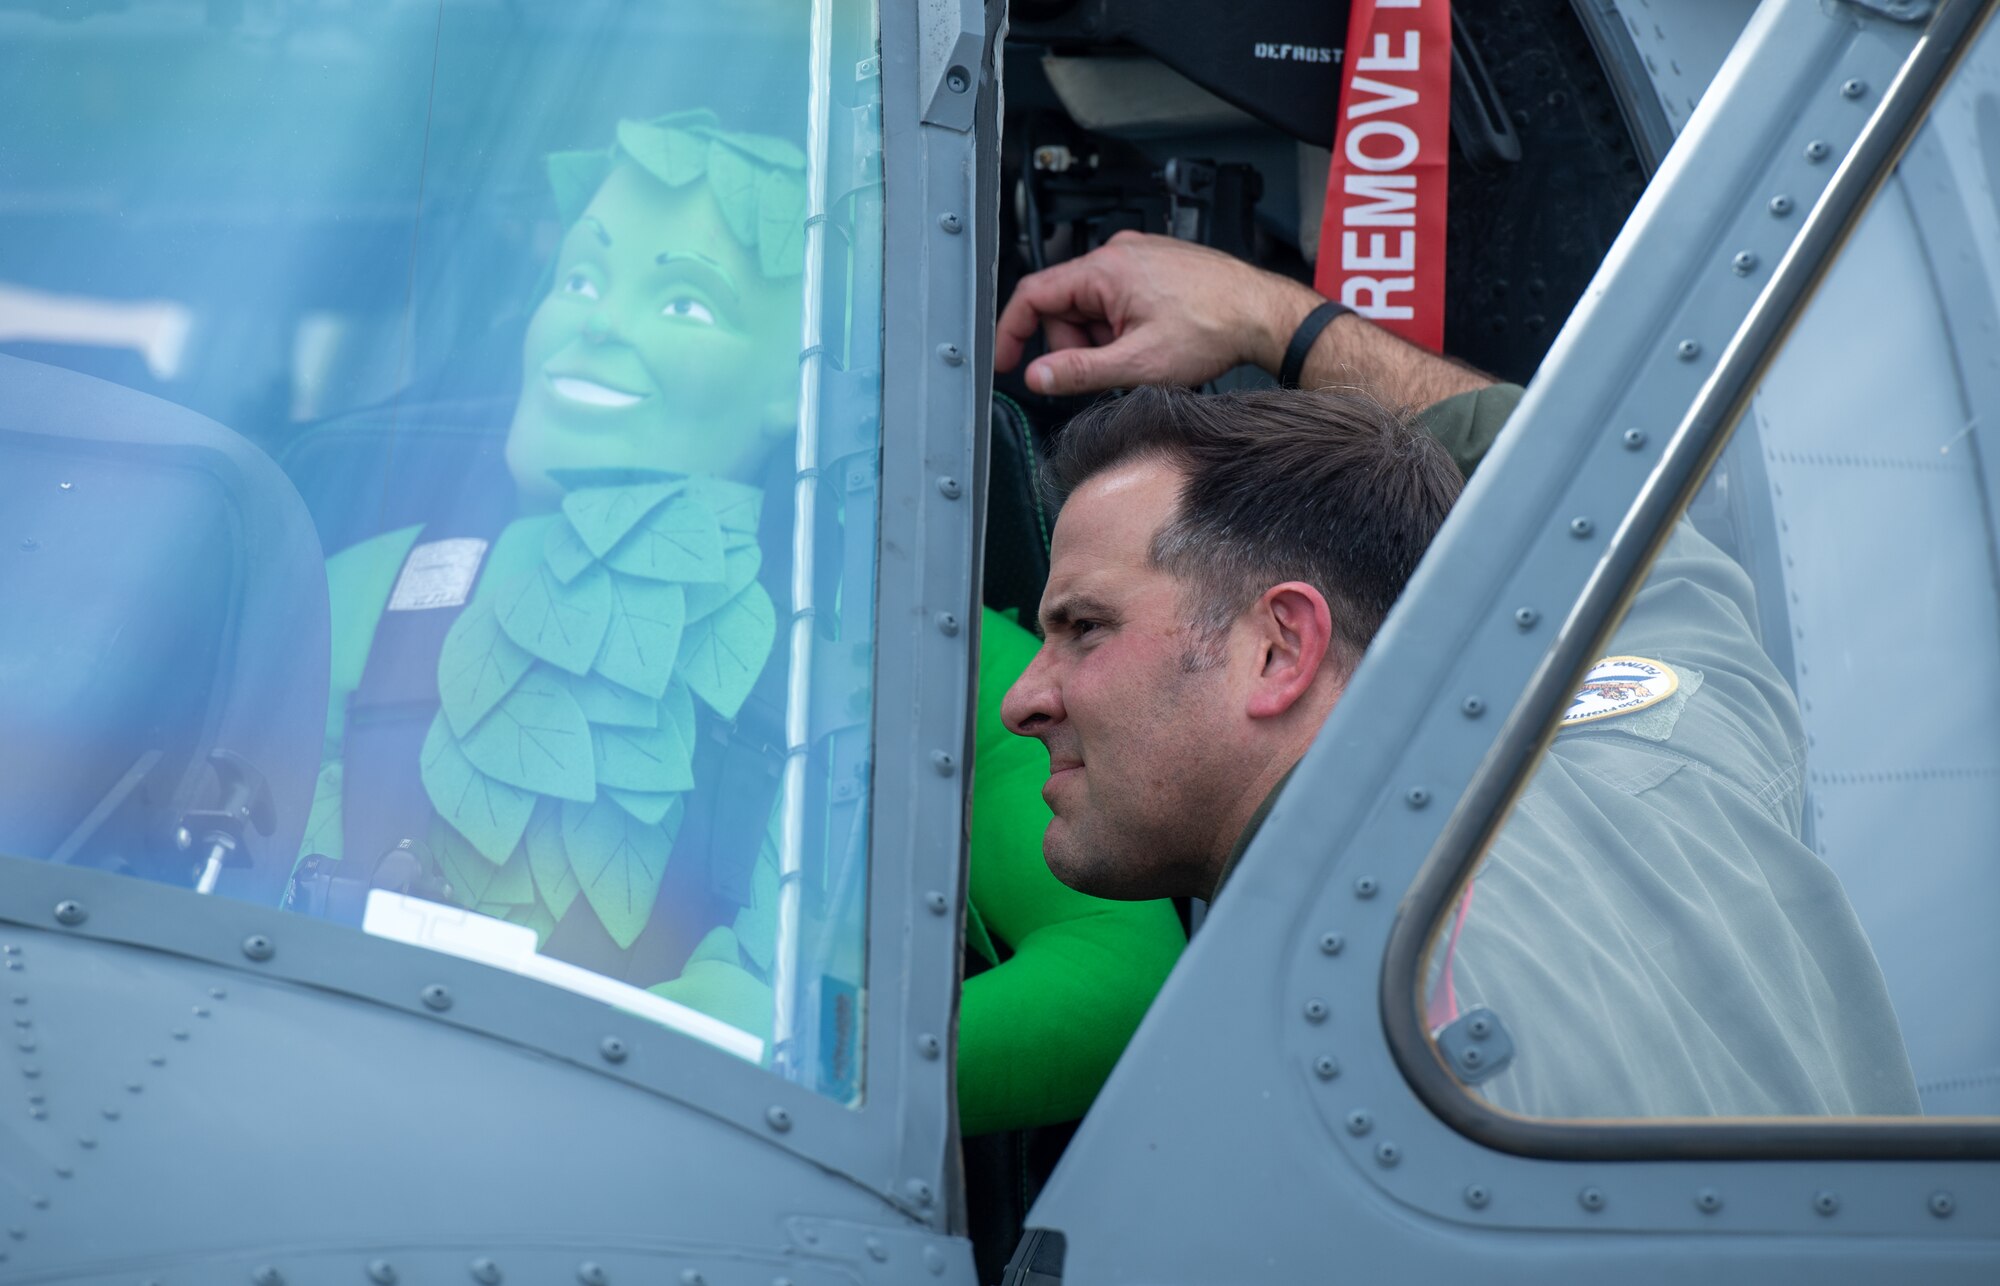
x,y
1468,423
1039,1032
1648,924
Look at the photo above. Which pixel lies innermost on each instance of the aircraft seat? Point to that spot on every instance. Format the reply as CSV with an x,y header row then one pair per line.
x,y
165,633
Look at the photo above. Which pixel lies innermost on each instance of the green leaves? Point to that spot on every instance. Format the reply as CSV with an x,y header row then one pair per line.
x,y
490,814
737,507
732,177
562,624
758,180
601,516
476,882
722,654
548,859
679,541
619,862
740,566
644,638
644,805
536,739
606,702
781,224
675,157
561,757
478,666
565,553
652,760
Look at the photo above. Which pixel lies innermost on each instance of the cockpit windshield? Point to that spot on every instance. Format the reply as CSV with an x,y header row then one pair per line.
x,y
416,418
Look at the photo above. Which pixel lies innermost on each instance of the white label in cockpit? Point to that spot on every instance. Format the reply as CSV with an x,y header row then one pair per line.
x,y
437,574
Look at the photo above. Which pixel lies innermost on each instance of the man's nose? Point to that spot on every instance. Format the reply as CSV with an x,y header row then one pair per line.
x,y
1034,704
597,327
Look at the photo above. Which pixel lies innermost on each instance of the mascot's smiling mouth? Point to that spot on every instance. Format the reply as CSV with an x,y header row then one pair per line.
x,y
573,388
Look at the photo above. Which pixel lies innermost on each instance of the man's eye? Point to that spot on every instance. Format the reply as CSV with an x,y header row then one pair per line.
x,y
689,308
579,284
1080,628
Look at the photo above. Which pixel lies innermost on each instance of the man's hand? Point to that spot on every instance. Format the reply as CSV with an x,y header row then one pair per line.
x,y
1146,309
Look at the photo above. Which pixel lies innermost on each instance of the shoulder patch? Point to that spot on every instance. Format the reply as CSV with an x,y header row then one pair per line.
x,y
1620,685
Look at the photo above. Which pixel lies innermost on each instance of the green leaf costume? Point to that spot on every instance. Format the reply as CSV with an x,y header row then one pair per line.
x,y
490,814
681,540
619,862
479,666
758,181
645,635
565,740
1038,1032
536,739
563,624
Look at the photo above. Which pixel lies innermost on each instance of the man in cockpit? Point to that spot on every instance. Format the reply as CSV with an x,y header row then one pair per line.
x,y
1647,924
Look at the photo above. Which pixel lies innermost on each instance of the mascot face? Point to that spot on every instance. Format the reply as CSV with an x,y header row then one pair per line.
x,y
661,345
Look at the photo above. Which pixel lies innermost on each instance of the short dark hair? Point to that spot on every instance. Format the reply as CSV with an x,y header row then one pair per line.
x,y
1329,487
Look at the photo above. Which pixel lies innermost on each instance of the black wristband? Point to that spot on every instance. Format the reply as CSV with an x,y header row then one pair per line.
x,y
1303,340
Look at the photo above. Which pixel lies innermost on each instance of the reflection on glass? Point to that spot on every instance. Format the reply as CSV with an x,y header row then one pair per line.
x,y
1752,874
524,332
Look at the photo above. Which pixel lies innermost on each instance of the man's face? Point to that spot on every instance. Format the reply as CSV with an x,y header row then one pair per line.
x,y
660,346
1145,754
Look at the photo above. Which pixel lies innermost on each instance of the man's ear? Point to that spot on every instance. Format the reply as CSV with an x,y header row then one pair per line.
x,y
1293,628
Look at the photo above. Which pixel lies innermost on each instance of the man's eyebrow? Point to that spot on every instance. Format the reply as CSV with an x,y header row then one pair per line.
x,y
603,237
1072,607
667,258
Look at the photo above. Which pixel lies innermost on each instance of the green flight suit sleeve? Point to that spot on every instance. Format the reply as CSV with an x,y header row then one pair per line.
x,y
1648,925
1468,423
1038,1033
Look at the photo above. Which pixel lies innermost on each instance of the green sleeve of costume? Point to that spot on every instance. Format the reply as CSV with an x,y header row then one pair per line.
x,y
1037,1034
1468,423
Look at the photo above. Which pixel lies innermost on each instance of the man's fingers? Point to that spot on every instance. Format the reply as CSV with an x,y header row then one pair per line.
x,y
1072,291
1061,332
1071,371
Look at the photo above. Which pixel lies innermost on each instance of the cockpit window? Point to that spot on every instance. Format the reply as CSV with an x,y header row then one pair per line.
x,y
509,333
1752,873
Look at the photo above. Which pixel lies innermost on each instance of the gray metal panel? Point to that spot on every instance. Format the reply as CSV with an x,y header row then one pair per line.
x,y
174,1119
937,361
1250,1134
1682,44
560,1131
